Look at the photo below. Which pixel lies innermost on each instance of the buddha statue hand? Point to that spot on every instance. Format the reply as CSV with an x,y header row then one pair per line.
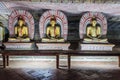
x,y
48,36
15,35
95,38
24,36
52,37
98,36
57,37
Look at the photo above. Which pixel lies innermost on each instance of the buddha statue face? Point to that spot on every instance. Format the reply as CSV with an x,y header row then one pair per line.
x,y
52,23
20,23
94,22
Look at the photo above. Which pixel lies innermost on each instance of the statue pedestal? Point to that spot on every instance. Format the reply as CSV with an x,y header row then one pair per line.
x,y
19,46
53,46
97,47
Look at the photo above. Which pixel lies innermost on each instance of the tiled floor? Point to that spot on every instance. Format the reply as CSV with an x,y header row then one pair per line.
x,y
46,70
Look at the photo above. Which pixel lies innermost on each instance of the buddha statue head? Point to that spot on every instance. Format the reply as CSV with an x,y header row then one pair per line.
x,y
53,21
21,21
93,21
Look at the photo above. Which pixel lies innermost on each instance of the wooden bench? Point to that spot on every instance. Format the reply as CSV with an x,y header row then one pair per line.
x,y
90,53
7,53
56,53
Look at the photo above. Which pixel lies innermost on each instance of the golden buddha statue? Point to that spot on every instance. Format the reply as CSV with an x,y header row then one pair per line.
x,y
2,32
53,32
21,31
94,33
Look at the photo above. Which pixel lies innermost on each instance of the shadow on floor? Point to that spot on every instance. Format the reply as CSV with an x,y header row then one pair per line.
x,y
59,74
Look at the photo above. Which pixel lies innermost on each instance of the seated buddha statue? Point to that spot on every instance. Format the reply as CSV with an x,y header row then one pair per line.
x,y
53,32
94,33
2,32
21,31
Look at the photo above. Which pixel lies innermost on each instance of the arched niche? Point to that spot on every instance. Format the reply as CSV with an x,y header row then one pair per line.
x,y
60,18
28,20
85,20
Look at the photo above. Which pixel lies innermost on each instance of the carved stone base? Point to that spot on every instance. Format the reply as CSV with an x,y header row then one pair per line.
x,y
53,46
97,47
19,46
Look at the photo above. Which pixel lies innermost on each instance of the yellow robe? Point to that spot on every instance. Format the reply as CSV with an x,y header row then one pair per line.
x,y
53,32
21,31
93,32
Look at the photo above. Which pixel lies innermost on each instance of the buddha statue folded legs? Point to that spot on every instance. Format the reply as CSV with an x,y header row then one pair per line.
x,y
95,40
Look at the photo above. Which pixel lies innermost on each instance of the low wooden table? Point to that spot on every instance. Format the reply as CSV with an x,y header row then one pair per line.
x,y
56,53
7,53
91,53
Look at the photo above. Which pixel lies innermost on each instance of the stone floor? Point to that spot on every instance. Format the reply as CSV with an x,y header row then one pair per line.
x,y
46,70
